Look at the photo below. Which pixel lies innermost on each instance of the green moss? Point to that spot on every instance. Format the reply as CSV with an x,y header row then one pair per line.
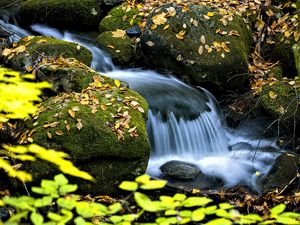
x,y
70,14
120,18
120,49
284,105
182,57
96,147
41,46
276,72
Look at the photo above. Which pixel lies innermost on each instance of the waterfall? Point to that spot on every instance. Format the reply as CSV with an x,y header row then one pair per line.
x,y
184,123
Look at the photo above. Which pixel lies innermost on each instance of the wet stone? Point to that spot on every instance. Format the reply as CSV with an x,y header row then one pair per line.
x,y
180,170
134,31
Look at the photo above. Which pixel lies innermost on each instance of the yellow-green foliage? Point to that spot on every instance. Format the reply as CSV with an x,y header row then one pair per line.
x,y
17,102
18,95
176,209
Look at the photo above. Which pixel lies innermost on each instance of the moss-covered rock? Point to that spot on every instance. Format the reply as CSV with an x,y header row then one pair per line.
x,y
103,129
67,14
65,75
281,50
120,49
296,50
281,174
30,51
120,17
280,101
196,46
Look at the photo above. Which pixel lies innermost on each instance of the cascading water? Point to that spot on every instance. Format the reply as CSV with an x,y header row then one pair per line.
x,y
184,123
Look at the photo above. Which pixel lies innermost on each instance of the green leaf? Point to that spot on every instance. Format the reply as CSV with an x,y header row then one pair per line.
x,y
210,210
79,221
221,221
198,215
290,214
128,186
224,214
143,179
129,217
67,188
267,222
114,208
54,216
179,197
42,202
154,184
185,213
116,219
277,210
144,202
36,218
286,220
83,209
185,220
196,201
60,180
253,217
225,206
18,216
68,203
170,212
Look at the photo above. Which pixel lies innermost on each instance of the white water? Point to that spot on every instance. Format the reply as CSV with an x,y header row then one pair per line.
x,y
184,123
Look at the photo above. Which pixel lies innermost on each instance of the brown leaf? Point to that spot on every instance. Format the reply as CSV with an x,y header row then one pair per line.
x,y
71,113
118,33
59,132
79,124
49,135
103,107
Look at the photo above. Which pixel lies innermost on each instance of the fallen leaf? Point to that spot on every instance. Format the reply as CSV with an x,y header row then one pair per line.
x,y
181,34
272,95
202,39
200,50
117,83
49,135
118,33
71,113
103,107
150,43
79,124
59,132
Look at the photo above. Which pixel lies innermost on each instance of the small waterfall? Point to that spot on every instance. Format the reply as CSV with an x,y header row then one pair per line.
x,y
184,123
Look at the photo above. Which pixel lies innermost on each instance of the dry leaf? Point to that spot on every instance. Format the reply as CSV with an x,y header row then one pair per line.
x,y
49,135
272,95
103,107
202,39
59,132
150,43
71,113
181,34
200,50
118,33
117,83
79,124
141,109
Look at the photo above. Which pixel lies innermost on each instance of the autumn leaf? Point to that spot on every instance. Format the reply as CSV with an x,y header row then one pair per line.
x,y
79,124
59,132
200,50
259,24
159,19
103,107
41,41
202,39
71,113
117,83
118,33
272,95
150,43
181,34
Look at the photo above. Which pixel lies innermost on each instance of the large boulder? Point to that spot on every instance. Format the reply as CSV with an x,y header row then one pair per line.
x,y
121,49
280,101
120,17
194,44
283,171
30,51
180,170
67,14
103,129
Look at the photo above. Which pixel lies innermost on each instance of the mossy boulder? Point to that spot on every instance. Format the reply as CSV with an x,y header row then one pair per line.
x,y
103,129
67,14
121,49
280,101
120,17
283,171
65,75
30,51
194,44
296,50
281,50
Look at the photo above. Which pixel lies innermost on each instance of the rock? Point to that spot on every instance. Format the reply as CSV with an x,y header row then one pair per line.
x,y
296,50
134,31
30,51
284,169
65,75
65,14
281,51
180,170
113,2
4,213
91,127
121,49
121,17
280,101
187,44
241,146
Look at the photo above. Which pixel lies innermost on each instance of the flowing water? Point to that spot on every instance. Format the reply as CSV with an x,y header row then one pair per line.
x,y
184,123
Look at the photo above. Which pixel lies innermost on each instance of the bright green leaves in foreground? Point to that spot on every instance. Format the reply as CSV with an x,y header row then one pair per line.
x,y
177,209
18,95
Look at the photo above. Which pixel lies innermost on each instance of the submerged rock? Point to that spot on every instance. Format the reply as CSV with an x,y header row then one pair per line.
x,y
67,14
180,170
120,17
103,130
197,47
30,51
121,49
283,171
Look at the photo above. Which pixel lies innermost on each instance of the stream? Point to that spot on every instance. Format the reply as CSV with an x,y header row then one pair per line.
x,y
184,123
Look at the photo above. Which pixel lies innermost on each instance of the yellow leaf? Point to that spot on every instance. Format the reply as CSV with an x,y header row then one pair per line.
x,y
210,14
71,113
79,124
200,50
118,33
117,83
272,95
181,34
166,27
59,132
49,135
6,52
103,107
159,19
41,41
259,24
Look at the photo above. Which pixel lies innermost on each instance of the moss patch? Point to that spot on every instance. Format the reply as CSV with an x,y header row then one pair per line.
x,y
121,50
68,14
120,17
36,48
